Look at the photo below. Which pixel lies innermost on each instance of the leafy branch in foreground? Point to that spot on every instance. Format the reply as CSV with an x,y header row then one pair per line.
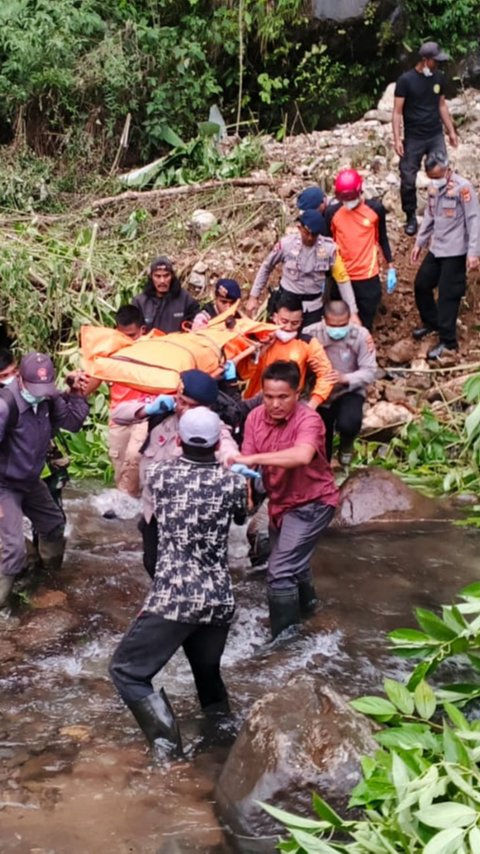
x,y
420,792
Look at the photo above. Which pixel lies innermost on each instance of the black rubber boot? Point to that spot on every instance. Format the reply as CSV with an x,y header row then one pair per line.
x,y
155,718
6,584
217,709
284,609
51,552
307,597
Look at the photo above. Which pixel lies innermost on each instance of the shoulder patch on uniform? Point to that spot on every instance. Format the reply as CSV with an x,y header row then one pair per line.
x,y
466,194
277,246
436,88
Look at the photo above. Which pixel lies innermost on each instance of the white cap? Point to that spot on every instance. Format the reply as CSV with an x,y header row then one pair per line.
x,y
199,427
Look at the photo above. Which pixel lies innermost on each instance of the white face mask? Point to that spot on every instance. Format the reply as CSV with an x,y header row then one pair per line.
x,y
32,399
427,72
439,183
285,336
351,204
7,380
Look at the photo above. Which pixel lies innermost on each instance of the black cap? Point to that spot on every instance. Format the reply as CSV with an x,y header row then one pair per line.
x,y
432,50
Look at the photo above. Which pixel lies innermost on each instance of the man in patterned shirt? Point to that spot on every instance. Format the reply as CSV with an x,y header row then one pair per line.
x,y
190,603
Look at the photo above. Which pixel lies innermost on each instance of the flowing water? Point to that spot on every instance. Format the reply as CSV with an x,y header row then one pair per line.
x,y
75,773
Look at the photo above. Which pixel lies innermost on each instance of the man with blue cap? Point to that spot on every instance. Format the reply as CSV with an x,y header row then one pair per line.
x,y
196,388
227,292
307,258
314,199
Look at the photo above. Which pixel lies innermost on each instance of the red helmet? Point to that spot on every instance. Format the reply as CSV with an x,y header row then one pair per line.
x,y
348,185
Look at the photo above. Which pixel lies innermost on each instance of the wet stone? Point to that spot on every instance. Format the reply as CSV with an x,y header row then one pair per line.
x,y
47,627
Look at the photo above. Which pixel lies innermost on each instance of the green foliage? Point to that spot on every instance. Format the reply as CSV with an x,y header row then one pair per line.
x,y
420,791
87,449
437,455
454,25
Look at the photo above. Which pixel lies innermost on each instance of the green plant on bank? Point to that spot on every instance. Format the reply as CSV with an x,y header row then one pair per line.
x,y
435,454
87,449
420,792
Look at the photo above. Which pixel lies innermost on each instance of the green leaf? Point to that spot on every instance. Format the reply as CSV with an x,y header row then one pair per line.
x,y
312,845
433,625
456,716
409,636
373,706
447,814
400,775
445,842
453,618
474,839
471,590
326,812
290,820
453,748
419,673
425,700
462,784
399,695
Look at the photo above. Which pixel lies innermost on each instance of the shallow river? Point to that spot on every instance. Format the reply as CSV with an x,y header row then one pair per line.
x,y
75,773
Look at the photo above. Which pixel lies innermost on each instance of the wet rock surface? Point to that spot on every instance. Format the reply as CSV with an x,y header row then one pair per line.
x,y
301,738
375,495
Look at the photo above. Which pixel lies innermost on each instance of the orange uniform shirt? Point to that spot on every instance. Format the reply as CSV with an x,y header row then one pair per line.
x,y
356,234
306,353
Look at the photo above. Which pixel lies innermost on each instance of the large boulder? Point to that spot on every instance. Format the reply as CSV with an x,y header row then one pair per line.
x,y
300,738
373,495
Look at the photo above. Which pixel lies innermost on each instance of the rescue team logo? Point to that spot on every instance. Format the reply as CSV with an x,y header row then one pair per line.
x,y
465,194
436,88
42,375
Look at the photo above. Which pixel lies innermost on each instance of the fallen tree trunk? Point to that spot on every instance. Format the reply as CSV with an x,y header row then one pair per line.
x,y
185,189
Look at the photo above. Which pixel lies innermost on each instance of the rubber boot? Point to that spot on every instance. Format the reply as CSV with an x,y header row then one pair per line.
x,y
284,608
6,584
156,719
307,596
51,552
220,708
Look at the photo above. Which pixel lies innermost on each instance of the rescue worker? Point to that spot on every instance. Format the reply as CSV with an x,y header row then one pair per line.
x,y
227,292
161,415
307,259
451,229
164,304
8,367
31,410
290,343
190,603
125,440
420,103
314,199
287,440
351,351
359,228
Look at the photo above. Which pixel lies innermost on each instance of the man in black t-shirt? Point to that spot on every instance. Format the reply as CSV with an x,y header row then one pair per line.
x,y
420,102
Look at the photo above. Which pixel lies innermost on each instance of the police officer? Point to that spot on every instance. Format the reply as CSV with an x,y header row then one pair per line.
x,y
351,351
307,258
451,228
31,410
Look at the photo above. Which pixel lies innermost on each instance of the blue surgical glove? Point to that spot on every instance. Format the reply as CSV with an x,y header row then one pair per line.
x,y
162,403
229,371
239,468
391,280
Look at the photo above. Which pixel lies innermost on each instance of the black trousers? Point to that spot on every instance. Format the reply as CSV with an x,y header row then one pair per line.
x,y
449,276
149,532
368,294
150,643
344,414
414,151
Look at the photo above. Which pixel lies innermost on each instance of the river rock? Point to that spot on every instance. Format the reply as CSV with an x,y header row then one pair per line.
x,y
402,351
385,417
300,738
47,627
374,495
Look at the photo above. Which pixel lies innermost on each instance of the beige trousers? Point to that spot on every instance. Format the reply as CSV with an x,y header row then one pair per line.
x,y
124,443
